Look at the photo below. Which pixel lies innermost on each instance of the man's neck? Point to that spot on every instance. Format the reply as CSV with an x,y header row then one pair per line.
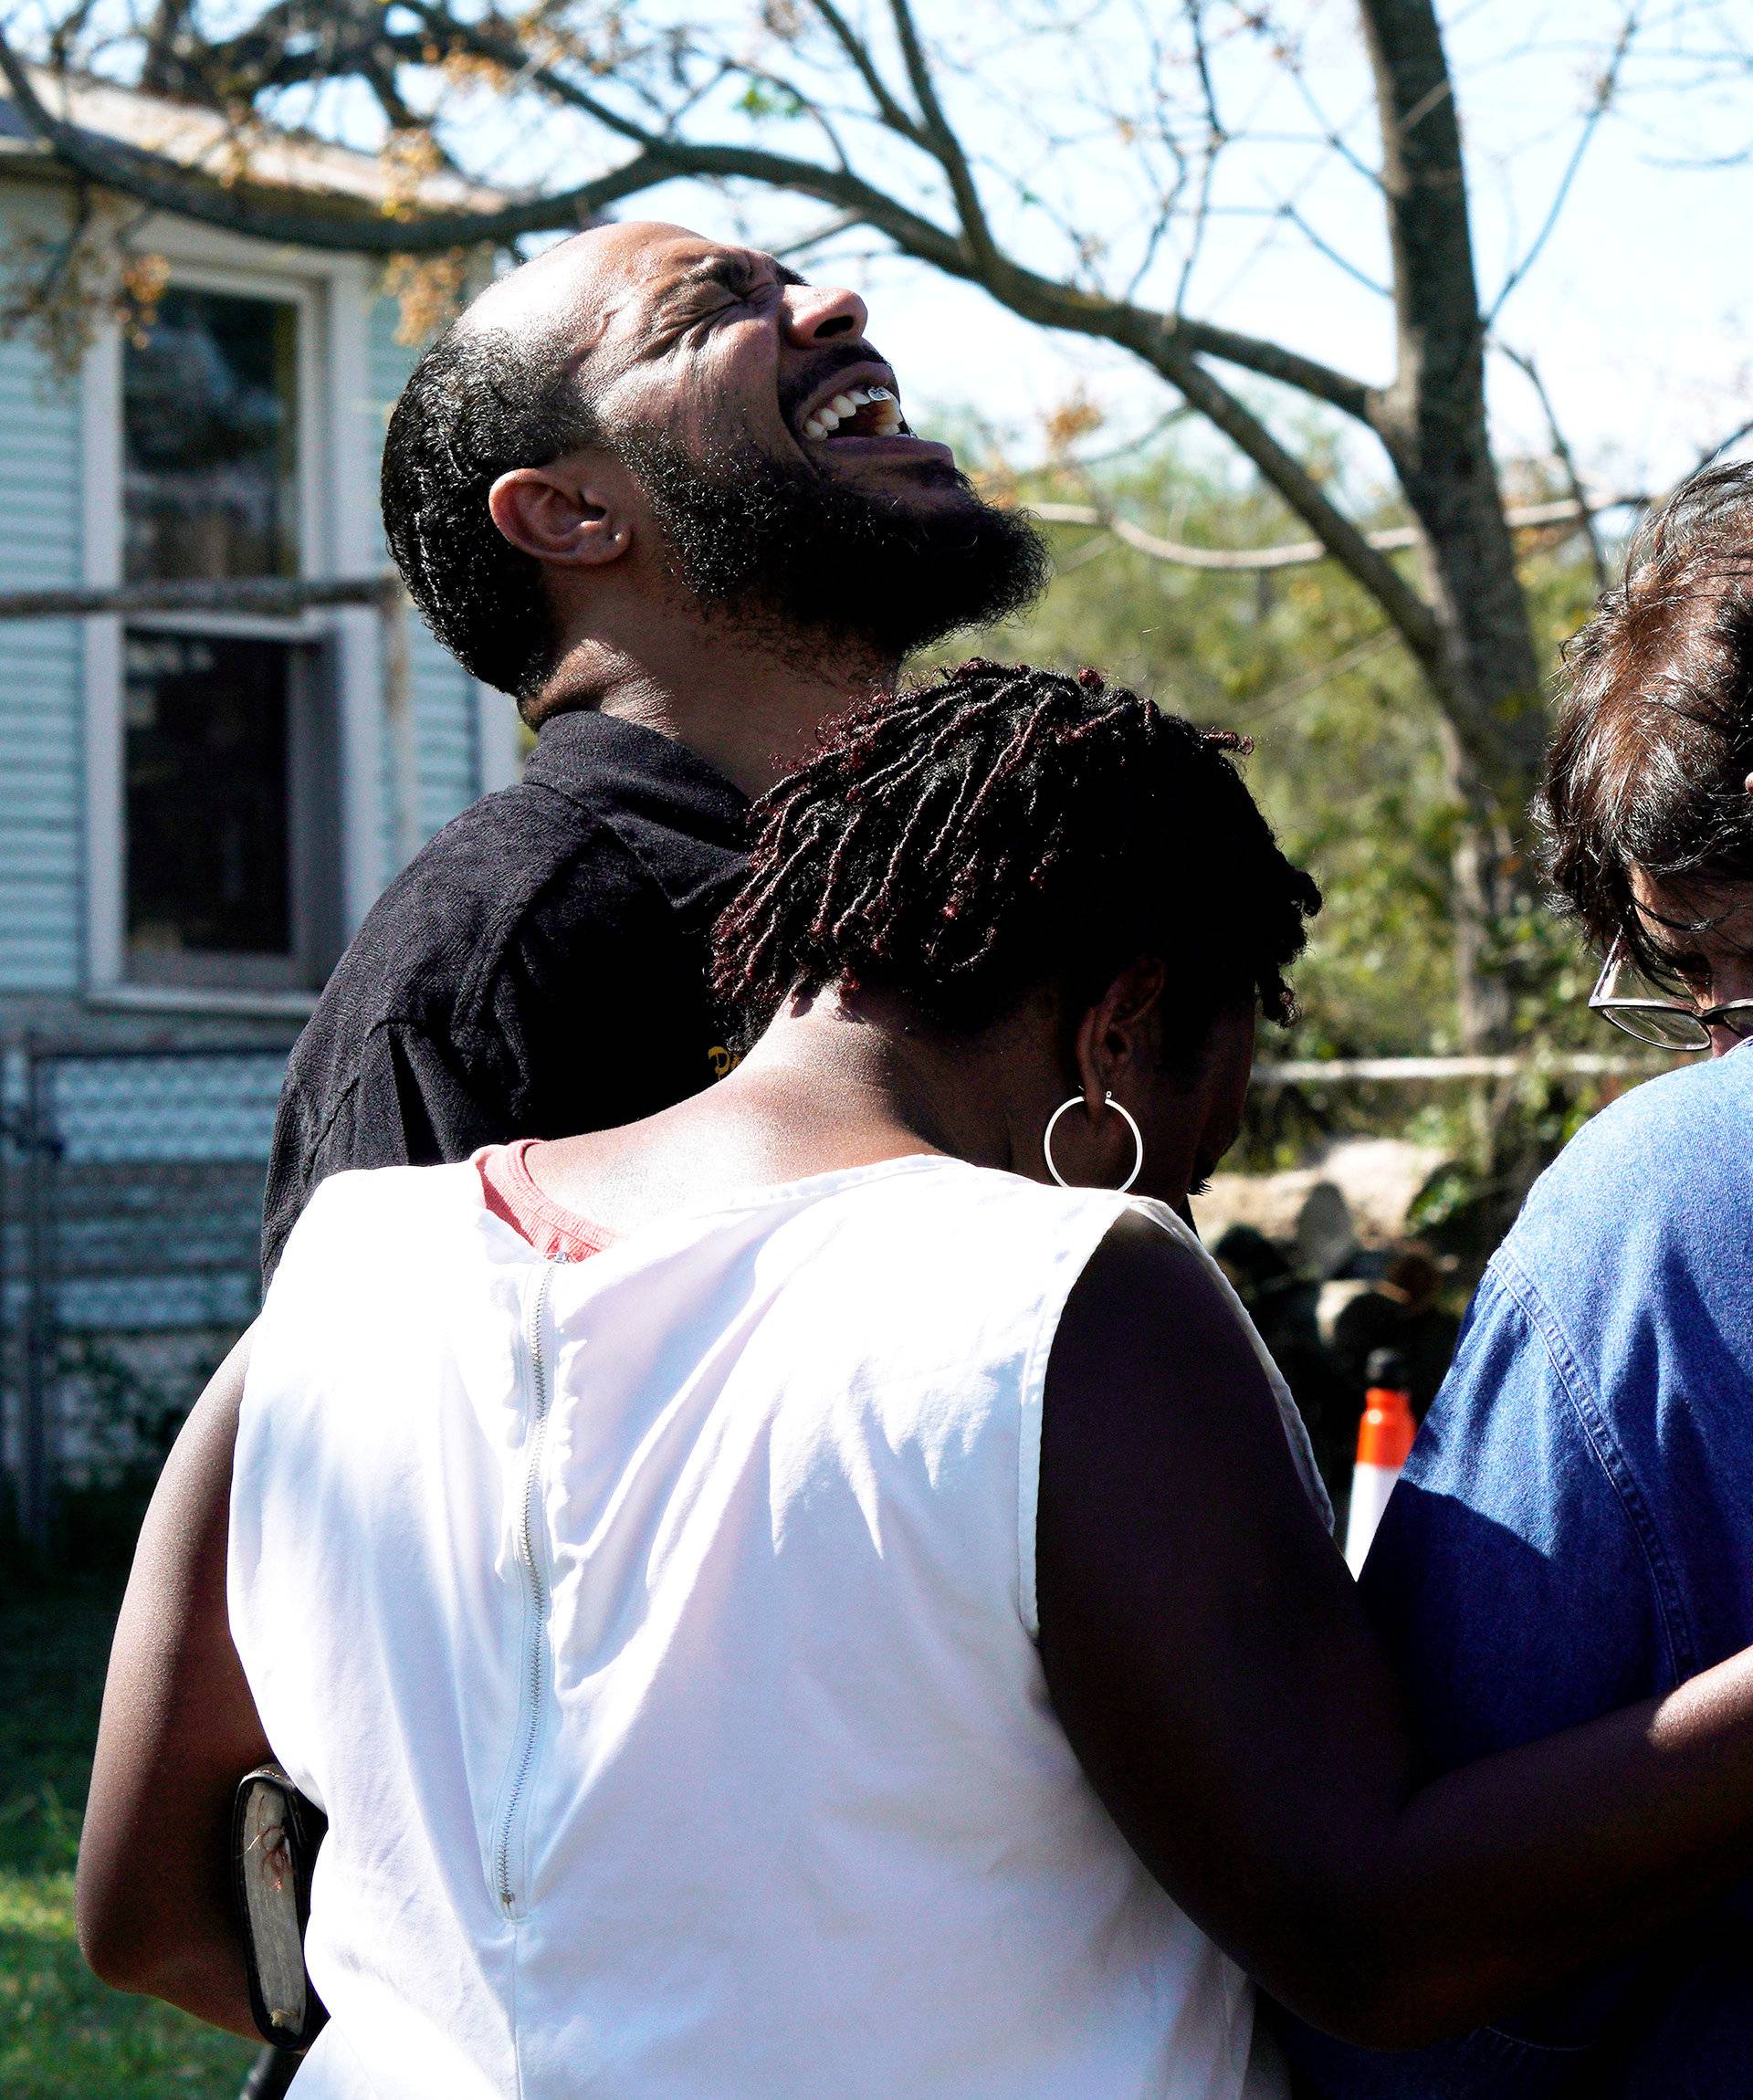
x,y
751,708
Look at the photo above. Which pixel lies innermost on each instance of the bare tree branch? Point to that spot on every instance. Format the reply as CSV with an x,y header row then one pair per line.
x,y
1330,133
842,221
1300,688
1524,363
1723,445
1289,213
1347,546
169,186
1215,136
1305,553
946,148
858,53
1603,95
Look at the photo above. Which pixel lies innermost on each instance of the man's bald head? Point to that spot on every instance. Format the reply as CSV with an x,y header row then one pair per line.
x,y
641,412
514,382
504,386
575,286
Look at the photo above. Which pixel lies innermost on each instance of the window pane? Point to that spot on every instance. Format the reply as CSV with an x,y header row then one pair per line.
x,y
210,434
207,727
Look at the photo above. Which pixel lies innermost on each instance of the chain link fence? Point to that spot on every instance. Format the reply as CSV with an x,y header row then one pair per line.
x,y
131,1197
131,1203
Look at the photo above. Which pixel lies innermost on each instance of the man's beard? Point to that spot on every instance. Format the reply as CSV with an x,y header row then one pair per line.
x,y
781,548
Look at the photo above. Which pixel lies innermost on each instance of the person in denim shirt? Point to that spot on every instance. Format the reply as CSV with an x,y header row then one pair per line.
x,y
1575,1528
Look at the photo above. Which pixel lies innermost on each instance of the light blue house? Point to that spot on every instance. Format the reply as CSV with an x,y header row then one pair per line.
x,y
196,809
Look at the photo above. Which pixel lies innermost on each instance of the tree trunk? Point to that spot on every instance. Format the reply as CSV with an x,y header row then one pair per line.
x,y
1489,874
1433,422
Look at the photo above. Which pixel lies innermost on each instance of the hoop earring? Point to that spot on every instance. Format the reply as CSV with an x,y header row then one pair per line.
x,y
1138,1143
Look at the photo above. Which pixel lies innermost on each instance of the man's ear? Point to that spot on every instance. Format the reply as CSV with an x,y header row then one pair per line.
x,y
574,513
1110,1037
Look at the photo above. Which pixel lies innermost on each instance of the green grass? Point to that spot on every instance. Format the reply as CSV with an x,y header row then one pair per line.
x,y
63,2036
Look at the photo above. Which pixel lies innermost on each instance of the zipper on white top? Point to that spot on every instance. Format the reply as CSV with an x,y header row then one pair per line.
x,y
530,1700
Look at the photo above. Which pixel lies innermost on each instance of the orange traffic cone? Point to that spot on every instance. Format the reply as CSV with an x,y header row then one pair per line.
x,y
1384,1439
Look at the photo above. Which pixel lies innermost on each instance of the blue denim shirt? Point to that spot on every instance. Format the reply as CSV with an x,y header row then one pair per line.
x,y
1575,1531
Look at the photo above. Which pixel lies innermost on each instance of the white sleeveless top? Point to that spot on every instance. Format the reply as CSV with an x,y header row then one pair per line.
x,y
657,1632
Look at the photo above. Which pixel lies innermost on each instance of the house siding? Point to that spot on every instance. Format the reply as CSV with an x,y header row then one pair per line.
x,y
41,762
446,746
42,693
147,1126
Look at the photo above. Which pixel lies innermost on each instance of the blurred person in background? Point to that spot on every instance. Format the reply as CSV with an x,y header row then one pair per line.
x,y
1575,1528
1283,1306
1400,1311
822,1593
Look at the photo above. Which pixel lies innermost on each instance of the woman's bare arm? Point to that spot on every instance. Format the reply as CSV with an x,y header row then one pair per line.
x,y
179,1730
1206,1654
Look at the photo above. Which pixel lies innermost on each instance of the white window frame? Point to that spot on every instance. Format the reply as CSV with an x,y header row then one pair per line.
x,y
340,437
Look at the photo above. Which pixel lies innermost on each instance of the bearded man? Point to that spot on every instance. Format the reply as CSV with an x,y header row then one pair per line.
x,y
661,492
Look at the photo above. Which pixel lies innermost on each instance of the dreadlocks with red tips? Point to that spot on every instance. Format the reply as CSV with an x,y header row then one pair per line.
x,y
997,829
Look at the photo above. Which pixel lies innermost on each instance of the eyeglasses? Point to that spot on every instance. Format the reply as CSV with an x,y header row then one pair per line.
x,y
1621,996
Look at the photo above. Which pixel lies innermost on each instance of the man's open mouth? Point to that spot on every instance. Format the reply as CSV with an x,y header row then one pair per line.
x,y
857,412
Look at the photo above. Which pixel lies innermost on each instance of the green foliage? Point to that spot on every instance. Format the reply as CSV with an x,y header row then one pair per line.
x,y
123,1399
770,101
1349,748
1348,758
1349,762
63,2036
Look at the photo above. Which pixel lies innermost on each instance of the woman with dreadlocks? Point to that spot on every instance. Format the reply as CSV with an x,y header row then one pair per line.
x,y
820,1592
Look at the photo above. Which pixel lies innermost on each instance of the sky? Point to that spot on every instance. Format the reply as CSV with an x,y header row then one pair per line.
x,y
1636,310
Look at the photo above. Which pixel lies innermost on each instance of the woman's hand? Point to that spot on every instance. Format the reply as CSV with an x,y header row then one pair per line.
x,y
1207,1655
179,1730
